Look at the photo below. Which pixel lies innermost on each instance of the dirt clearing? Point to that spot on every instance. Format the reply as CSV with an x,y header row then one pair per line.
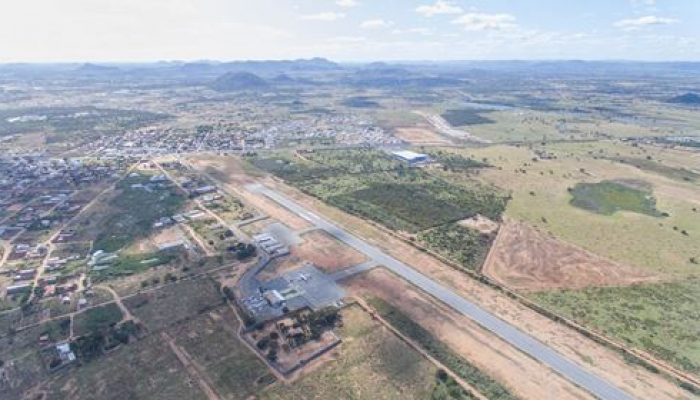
x,y
420,136
326,252
524,258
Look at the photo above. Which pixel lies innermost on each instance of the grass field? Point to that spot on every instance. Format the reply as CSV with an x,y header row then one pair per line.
x,y
540,197
459,365
663,319
371,364
608,197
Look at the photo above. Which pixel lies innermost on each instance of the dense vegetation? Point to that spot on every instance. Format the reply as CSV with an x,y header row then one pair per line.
x,y
663,319
371,184
466,116
459,365
456,162
608,197
466,246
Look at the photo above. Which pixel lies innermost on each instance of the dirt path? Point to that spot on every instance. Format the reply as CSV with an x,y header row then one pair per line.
x,y
128,316
6,250
192,368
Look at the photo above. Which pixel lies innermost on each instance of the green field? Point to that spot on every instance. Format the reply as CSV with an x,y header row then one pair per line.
x,y
608,197
467,116
459,365
663,319
466,246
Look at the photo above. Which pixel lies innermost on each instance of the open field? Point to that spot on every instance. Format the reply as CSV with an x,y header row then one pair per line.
x,y
663,319
371,363
540,197
326,252
525,258
420,136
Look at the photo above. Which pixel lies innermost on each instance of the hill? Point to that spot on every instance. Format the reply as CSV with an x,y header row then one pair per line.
x,y
235,81
688,98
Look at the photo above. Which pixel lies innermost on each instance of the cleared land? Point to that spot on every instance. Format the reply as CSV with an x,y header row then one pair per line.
x,y
524,258
420,136
326,252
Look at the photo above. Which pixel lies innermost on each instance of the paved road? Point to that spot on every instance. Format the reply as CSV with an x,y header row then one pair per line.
x,y
526,343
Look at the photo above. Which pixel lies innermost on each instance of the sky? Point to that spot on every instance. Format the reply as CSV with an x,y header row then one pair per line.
x,y
348,30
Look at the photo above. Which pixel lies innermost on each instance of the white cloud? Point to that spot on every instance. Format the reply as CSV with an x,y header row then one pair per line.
x,y
347,3
440,7
484,22
376,24
637,23
416,31
324,16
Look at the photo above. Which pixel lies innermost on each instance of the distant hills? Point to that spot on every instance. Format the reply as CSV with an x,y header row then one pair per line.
x,y
238,81
688,99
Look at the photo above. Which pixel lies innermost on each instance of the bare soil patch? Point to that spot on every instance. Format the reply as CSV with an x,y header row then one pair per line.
x,y
420,136
524,258
480,223
326,252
